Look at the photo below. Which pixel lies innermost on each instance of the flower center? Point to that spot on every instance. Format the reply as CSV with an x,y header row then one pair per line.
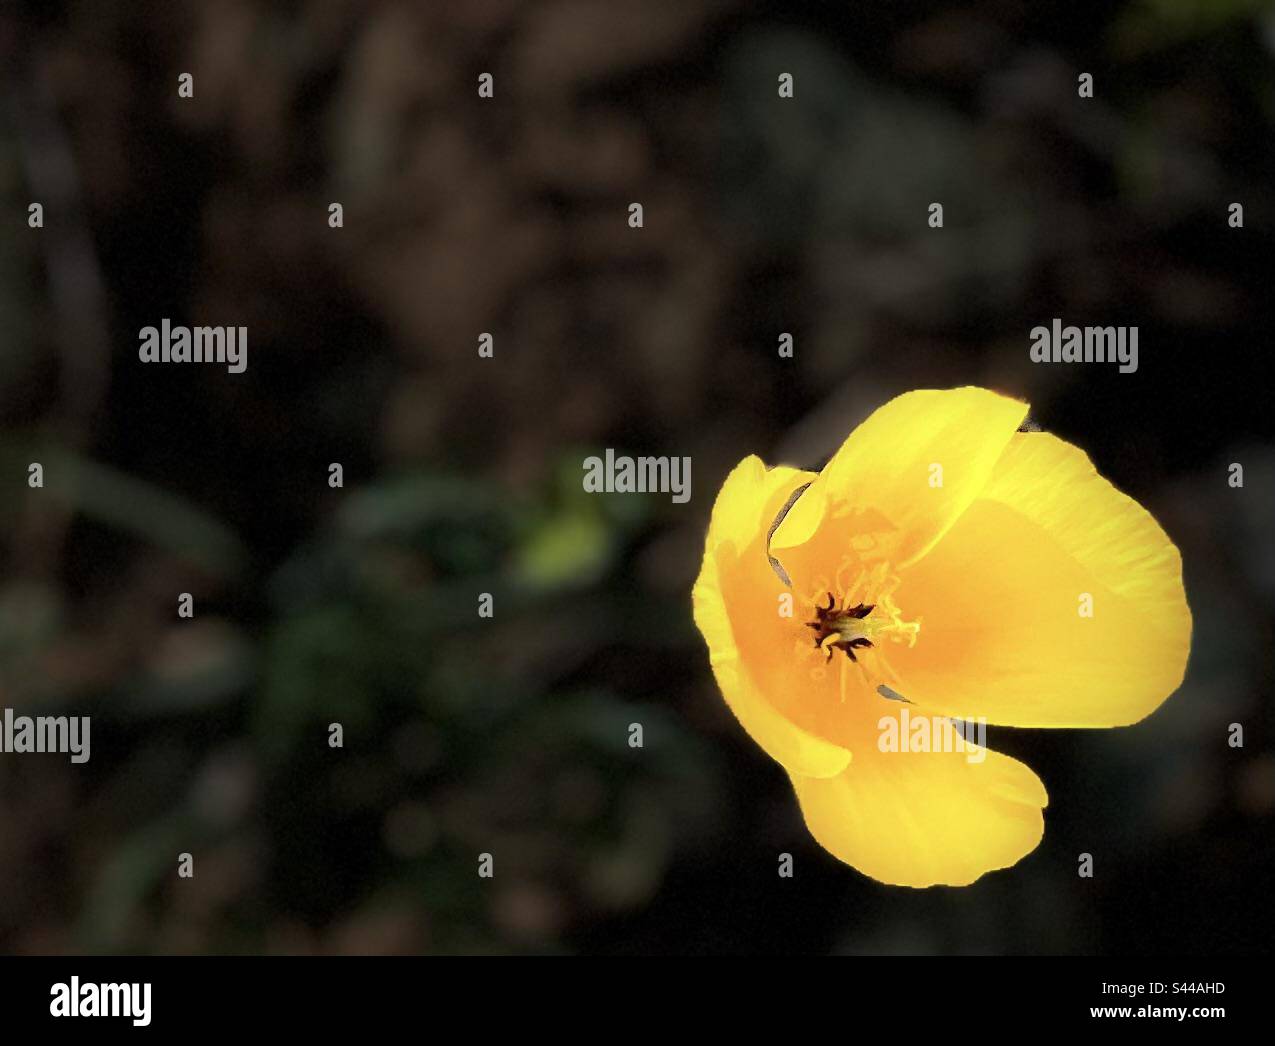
x,y
841,628
855,627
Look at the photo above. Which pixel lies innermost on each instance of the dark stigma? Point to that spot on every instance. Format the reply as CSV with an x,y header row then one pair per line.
x,y
831,620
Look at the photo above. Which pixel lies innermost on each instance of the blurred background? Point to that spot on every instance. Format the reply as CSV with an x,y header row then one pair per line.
x,y
463,215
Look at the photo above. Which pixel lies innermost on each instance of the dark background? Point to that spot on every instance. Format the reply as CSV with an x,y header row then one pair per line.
x,y
508,215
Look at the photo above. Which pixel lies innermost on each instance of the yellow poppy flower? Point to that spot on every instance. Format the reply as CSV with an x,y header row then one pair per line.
x,y
944,565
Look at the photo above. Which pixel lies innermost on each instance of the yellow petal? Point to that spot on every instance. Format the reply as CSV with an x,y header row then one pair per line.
x,y
925,818
735,559
1001,598
881,490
